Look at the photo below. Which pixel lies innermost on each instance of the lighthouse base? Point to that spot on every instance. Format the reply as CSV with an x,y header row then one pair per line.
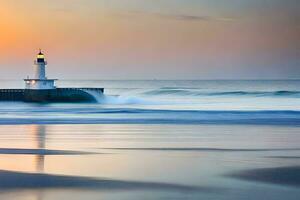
x,y
67,95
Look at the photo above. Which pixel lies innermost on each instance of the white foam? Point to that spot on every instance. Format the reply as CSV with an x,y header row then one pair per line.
x,y
120,100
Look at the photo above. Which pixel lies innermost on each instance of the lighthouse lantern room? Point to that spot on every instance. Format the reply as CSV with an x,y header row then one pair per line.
x,y
40,81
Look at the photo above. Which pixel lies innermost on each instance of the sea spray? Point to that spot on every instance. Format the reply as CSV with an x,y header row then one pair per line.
x,y
121,100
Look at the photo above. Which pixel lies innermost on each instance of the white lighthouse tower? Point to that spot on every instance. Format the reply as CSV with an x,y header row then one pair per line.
x,y
40,81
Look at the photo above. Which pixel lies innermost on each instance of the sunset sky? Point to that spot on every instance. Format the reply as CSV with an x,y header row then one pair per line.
x,y
152,39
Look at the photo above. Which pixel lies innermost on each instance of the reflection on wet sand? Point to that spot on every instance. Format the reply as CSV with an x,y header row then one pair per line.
x,y
11,180
39,133
40,138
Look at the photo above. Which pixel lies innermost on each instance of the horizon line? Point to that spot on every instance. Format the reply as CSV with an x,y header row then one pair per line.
x,y
217,79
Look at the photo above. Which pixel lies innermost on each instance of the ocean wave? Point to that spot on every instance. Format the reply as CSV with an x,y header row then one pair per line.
x,y
170,92
192,92
94,115
274,93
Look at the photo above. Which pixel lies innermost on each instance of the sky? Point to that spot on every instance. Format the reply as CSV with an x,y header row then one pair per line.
x,y
151,39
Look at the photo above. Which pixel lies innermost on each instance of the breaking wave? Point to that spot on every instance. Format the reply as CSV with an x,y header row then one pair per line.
x,y
121,100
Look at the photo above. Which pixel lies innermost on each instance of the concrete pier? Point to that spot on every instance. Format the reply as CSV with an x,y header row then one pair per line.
x,y
12,94
52,95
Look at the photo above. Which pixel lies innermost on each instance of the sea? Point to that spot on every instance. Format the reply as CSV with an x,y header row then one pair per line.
x,y
155,139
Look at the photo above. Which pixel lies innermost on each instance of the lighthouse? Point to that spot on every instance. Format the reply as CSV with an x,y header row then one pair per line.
x,y
41,89
40,81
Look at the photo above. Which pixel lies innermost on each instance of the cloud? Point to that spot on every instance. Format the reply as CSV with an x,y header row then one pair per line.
x,y
191,17
182,17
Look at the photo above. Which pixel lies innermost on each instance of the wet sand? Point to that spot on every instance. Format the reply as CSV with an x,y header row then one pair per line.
x,y
285,157
279,175
18,180
152,162
204,149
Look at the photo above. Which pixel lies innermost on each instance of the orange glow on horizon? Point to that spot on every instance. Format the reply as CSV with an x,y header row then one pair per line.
x,y
98,37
